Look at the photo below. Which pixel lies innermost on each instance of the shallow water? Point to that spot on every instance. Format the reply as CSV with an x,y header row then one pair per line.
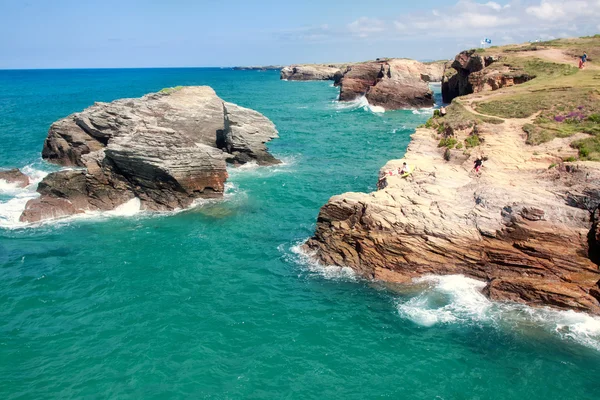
x,y
217,302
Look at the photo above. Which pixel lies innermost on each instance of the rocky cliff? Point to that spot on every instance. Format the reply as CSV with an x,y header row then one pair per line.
x,y
526,224
311,72
165,149
473,72
389,83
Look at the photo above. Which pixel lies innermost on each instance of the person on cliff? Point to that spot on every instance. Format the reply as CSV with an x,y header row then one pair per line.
x,y
403,170
583,60
478,164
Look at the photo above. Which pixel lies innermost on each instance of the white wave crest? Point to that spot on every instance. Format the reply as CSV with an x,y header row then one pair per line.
x,y
308,261
458,299
358,103
11,210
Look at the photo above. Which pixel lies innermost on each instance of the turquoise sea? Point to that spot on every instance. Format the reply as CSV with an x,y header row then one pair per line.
x,y
217,302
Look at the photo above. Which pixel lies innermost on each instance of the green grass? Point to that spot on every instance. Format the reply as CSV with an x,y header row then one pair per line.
x,y
458,118
170,90
472,141
448,143
589,148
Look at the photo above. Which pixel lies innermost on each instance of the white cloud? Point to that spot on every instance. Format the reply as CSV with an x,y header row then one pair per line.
x,y
364,26
559,10
519,19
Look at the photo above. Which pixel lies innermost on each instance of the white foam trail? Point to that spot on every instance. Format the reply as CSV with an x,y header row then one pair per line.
x,y
360,102
458,299
128,209
10,211
308,260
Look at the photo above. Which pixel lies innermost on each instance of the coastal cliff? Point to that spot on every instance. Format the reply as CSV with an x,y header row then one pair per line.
x,y
164,150
388,83
527,223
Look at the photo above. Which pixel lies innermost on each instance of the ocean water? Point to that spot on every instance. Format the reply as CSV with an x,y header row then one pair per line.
x,y
218,302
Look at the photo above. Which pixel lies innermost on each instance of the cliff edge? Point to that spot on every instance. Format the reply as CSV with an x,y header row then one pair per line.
x,y
527,222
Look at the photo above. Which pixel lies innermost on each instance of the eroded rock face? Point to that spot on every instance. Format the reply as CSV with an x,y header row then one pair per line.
x,y
392,84
512,227
473,73
15,176
166,149
310,72
389,83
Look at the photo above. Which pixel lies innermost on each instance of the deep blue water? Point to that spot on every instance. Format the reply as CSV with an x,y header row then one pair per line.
x,y
216,302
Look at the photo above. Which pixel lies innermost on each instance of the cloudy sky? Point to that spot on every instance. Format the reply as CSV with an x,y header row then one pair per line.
x,y
153,33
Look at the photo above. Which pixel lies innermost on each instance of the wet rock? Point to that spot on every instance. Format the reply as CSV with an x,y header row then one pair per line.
x,y
15,176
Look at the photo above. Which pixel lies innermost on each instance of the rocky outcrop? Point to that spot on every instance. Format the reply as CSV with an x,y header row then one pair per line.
x,y
165,149
311,72
388,83
259,68
392,84
15,176
514,226
471,72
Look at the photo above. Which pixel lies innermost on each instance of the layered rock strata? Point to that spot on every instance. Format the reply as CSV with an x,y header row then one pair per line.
x,y
388,83
471,72
524,229
311,72
165,149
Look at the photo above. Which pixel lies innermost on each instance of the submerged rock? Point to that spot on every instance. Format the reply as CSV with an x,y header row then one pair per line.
x,y
15,176
167,149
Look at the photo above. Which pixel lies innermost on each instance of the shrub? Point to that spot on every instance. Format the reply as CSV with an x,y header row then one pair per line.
x,y
570,159
449,143
552,166
594,118
447,154
472,141
459,146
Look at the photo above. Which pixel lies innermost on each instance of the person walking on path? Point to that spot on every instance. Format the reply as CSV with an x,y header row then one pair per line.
x,y
583,60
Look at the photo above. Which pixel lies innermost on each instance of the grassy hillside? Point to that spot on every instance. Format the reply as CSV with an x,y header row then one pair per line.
x,y
562,100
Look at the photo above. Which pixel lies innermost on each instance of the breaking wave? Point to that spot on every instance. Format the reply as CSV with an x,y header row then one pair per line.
x,y
456,299
356,104
307,260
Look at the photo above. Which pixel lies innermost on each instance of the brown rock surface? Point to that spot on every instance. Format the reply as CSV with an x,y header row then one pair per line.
x,y
471,72
514,226
15,176
167,149
391,83
311,72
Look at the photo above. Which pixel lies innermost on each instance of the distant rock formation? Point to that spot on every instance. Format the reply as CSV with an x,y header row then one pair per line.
x,y
259,68
311,72
15,176
389,83
392,83
165,149
471,72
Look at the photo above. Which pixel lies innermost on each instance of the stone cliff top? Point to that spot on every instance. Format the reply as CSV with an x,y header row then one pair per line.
x,y
527,224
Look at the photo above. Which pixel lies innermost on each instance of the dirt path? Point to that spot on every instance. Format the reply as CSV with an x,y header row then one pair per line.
x,y
556,56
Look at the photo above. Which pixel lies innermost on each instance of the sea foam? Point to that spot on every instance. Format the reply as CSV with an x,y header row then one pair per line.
x,y
456,299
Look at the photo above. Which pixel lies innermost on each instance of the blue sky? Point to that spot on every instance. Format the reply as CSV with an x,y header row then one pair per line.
x,y
152,33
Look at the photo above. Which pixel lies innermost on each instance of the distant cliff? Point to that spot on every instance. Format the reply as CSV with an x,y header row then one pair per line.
x,y
389,83
527,224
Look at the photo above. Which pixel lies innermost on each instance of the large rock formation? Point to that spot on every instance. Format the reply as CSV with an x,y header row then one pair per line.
x,y
471,72
15,176
311,72
517,226
391,84
165,149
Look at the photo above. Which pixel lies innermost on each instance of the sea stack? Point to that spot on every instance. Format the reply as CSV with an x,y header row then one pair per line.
x,y
166,149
